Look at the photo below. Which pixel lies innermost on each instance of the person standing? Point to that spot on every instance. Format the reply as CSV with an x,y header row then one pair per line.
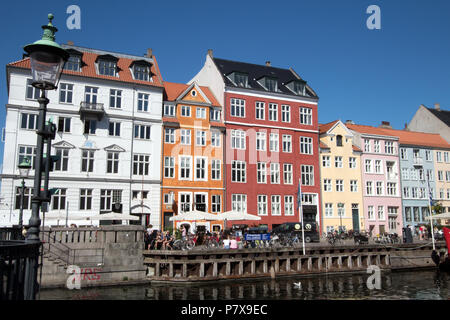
x,y
233,243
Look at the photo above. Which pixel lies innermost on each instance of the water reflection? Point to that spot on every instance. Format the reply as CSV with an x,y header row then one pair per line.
x,y
399,285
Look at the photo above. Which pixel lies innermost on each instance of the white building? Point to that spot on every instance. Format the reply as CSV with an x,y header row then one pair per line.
x,y
108,113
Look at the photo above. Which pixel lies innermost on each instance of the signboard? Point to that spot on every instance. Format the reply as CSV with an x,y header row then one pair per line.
x,y
254,237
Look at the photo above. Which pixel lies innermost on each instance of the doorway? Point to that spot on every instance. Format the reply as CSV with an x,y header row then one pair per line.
x,y
355,217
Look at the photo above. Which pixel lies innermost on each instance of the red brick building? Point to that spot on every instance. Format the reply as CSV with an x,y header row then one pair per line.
x,y
271,139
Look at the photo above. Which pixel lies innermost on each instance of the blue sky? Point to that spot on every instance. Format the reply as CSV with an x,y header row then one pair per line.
x,y
365,75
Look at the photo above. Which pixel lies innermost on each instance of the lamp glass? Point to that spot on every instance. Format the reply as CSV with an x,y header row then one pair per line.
x,y
24,168
46,68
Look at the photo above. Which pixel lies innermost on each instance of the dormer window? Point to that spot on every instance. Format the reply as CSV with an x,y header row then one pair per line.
x,y
73,64
297,87
239,79
339,141
107,67
270,84
141,72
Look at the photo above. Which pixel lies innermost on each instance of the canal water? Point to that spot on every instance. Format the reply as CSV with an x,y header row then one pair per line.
x,y
422,285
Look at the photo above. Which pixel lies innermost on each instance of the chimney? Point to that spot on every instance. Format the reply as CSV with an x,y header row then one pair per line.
x,y
385,124
406,127
149,53
210,53
268,63
349,122
437,106
70,43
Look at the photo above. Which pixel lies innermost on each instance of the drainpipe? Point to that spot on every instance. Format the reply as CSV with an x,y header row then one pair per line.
x,y
131,151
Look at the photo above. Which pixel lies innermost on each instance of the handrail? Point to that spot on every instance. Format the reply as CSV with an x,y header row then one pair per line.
x,y
65,253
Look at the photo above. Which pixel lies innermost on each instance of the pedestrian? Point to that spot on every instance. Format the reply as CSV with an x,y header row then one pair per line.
x,y
233,243
226,243
183,232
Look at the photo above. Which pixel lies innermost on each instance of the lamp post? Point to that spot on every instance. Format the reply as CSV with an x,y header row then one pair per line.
x,y
47,60
24,169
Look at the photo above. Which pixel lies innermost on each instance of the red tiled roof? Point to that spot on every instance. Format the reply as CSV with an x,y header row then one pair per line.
x,y
173,90
88,69
325,127
323,145
368,130
355,148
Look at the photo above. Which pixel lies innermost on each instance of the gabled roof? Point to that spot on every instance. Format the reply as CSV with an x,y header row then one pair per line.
x,y
256,72
370,130
174,91
88,68
323,128
442,115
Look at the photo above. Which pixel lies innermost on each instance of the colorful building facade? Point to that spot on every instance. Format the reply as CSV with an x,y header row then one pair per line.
x,y
340,173
192,157
271,141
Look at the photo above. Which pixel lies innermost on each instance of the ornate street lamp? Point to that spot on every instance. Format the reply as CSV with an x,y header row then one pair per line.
x,y
24,169
47,60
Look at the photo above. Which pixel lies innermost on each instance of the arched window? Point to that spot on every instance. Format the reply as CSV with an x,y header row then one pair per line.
x,y
339,141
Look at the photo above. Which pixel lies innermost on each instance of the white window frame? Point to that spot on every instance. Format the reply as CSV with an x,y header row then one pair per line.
x,y
187,166
260,110
274,142
261,141
287,143
237,108
285,113
275,205
261,172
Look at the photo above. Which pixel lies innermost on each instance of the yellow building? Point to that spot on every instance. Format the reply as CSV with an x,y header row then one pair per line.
x,y
341,180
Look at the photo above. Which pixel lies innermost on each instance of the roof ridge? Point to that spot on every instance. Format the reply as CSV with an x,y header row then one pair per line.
x,y
255,64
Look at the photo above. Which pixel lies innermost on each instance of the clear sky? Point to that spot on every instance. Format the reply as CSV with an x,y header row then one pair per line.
x,y
364,75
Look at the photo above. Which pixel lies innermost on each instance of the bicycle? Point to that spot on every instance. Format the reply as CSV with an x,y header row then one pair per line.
x,y
186,243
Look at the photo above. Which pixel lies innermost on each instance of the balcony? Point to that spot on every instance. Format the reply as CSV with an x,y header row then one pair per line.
x,y
418,162
88,109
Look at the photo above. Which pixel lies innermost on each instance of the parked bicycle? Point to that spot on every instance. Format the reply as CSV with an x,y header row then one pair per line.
x,y
186,243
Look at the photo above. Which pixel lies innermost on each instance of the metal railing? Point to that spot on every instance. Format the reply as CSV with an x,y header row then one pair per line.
x,y
89,106
14,233
16,259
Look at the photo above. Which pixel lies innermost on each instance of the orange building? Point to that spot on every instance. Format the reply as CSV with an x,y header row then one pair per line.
x,y
192,156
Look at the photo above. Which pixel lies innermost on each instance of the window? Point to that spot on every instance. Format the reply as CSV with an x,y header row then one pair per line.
x,y
90,95
447,176
29,121
143,102
405,174
416,211
439,156
63,163
107,68
275,173
368,166
406,193
114,129
306,145
440,175
378,166
340,209
352,163
215,114
108,198
370,213
273,112
389,147
413,174
169,110
112,162
87,161
287,143
403,154
215,138
238,139
29,152
288,205
381,213
285,113
274,142
65,92
260,110
64,124
392,223
115,98
32,92
169,167
200,138
238,171
185,168
200,168
339,185
353,186
237,108
408,217
59,200
262,205
201,113
85,199
216,201
276,205
428,155
141,72
270,84
338,162
142,131
240,79
261,141
379,188
441,193
327,185
307,173
185,136
326,162
287,173
328,209
446,157
366,145
261,172
27,194
141,163
339,141
215,169
305,116
73,63
185,202
421,175
414,193
430,174
369,188
239,202
376,146
90,126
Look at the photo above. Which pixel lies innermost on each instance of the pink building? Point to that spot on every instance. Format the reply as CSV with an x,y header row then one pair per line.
x,y
380,179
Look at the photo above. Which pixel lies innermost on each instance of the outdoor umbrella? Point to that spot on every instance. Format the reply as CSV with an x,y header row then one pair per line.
x,y
194,215
114,216
236,215
445,215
